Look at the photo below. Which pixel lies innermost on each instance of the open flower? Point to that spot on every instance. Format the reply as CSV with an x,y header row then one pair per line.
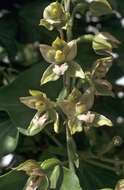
x,y
76,107
45,112
97,75
59,52
61,55
54,16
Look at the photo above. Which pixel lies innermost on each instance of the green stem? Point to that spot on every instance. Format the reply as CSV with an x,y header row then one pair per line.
x,y
101,165
85,38
61,34
108,160
67,5
55,140
66,81
68,138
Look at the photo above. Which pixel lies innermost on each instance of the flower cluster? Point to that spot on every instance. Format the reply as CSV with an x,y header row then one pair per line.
x,y
75,104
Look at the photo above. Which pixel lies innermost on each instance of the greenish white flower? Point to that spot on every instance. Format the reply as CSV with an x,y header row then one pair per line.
x,y
54,16
61,55
60,51
76,107
45,112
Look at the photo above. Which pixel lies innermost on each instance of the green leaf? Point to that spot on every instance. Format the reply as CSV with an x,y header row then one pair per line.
x,y
12,180
20,114
72,151
70,180
106,189
63,94
8,137
54,177
101,120
100,7
49,75
60,177
49,163
75,70
8,29
94,177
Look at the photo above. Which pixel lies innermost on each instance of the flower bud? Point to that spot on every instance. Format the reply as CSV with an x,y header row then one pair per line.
x,y
54,16
59,44
53,11
117,141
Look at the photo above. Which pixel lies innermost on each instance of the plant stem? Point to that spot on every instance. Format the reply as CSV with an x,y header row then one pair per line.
x,y
108,160
101,165
66,81
68,138
67,5
57,142
61,34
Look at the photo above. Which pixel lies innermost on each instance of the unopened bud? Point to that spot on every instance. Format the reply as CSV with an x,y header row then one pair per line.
x,y
117,141
58,44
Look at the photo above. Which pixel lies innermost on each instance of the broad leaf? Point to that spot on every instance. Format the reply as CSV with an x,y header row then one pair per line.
x,y
8,137
100,7
54,177
94,177
106,189
20,114
70,180
49,163
12,180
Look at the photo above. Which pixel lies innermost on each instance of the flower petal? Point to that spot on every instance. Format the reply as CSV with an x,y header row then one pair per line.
x,y
49,75
60,70
72,51
48,53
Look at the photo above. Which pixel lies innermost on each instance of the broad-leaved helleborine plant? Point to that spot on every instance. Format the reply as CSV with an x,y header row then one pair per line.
x,y
73,111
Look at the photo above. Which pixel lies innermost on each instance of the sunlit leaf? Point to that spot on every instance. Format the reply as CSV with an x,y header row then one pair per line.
x,y
100,7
